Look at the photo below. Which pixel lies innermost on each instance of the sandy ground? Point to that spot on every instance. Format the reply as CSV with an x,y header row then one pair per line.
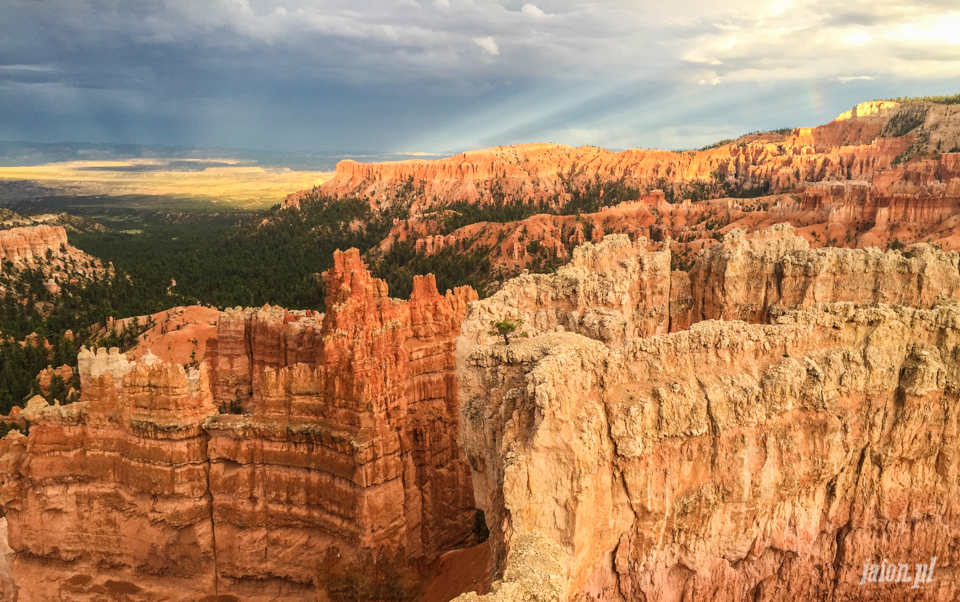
x,y
180,334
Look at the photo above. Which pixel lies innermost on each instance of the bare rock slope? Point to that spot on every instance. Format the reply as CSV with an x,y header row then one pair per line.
x,y
798,425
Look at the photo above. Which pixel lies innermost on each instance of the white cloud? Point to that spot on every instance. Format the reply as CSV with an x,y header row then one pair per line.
x,y
844,80
856,38
488,44
33,68
701,60
531,9
713,81
811,39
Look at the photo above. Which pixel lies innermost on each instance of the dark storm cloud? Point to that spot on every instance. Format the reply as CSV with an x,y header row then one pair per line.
x,y
448,74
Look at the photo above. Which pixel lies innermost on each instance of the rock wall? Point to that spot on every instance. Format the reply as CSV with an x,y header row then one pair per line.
x,y
29,244
43,248
342,463
349,436
619,290
108,496
611,292
864,144
756,278
730,460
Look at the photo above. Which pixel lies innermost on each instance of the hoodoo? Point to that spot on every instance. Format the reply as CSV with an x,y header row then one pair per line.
x,y
726,433
345,439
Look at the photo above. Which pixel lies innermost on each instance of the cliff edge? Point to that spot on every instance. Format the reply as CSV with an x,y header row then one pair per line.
x,y
798,426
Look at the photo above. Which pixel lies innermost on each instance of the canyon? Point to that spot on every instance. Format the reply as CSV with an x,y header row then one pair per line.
x,y
149,488
883,173
716,398
759,426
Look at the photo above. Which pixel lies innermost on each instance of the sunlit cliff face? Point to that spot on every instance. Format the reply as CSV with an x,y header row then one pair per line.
x,y
796,425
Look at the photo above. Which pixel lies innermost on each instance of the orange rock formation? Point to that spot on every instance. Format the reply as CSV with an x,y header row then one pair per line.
x,y
861,145
30,244
728,460
882,173
767,422
45,248
347,442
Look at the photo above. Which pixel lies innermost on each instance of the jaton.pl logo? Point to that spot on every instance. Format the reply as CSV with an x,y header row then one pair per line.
x,y
889,572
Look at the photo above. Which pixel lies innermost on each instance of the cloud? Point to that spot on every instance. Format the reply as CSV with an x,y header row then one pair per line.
x,y
812,39
386,74
856,38
488,44
532,10
701,60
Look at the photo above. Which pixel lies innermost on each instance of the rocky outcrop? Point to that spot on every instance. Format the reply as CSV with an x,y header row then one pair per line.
x,y
108,495
46,377
342,460
732,460
612,292
755,278
30,244
42,248
360,402
860,145
619,290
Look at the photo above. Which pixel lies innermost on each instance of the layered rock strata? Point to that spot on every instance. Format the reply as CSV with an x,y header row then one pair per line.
x,y
349,436
870,143
43,248
621,289
733,460
108,496
148,489
882,174
30,244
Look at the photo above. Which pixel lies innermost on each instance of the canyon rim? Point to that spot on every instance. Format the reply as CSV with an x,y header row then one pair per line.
x,y
716,398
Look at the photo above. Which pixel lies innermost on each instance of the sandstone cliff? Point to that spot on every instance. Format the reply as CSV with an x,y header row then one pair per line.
x,y
149,489
360,403
882,174
42,248
731,460
28,245
863,144
759,427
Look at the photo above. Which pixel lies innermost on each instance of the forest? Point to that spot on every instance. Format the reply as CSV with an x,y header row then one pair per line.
x,y
275,257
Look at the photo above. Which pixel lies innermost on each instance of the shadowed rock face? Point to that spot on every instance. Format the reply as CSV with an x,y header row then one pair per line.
x,y
730,460
347,442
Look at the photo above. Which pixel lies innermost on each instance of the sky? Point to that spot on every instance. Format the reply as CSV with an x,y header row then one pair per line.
x,y
445,76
